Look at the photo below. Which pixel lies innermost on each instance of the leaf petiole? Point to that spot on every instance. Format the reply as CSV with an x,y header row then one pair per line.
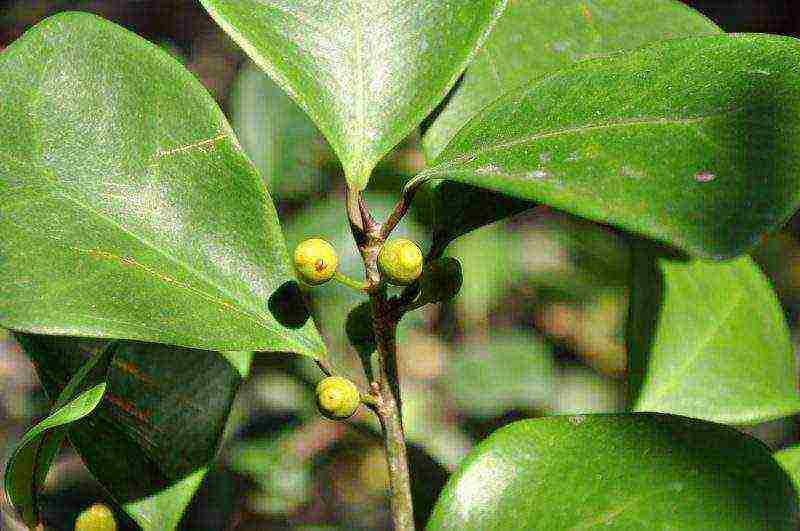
x,y
361,287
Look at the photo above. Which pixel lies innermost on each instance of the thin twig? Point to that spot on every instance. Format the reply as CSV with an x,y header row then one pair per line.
x,y
353,198
402,206
370,225
343,279
325,367
384,396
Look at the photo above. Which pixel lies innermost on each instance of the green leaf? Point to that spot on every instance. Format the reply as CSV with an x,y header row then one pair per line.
x,y
239,360
284,144
533,38
160,423
692,141
617,472
130,210
789,459
708,340
366,71
27,468
163,510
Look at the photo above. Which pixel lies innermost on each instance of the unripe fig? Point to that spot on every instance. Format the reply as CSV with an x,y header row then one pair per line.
x,y
315,261
400,262
441,281
98,517
337,398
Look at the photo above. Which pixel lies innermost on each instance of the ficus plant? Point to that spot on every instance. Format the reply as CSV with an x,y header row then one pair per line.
x,y
144,265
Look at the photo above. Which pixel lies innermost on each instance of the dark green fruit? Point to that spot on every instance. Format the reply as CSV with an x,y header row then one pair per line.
x,y
441,281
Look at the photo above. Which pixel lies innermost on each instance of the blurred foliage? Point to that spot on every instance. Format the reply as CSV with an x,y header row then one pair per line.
x,y
538,327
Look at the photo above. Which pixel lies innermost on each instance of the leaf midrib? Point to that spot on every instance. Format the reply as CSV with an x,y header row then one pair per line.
x,y
466,157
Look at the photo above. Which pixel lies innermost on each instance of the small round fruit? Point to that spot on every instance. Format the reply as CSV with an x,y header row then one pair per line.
x,y
400,262
441,281
337,398
98,517
315,261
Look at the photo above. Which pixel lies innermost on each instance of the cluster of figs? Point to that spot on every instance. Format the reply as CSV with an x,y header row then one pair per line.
x,y
400,263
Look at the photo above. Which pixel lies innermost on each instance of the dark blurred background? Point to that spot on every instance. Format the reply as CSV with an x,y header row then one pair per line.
x,y
532,333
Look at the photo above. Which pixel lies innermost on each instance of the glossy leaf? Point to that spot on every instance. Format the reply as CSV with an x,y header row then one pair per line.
x,y
281,140
130,210
159,426
708,340
366,71
690,141
27,467
534,37
163,510
617,472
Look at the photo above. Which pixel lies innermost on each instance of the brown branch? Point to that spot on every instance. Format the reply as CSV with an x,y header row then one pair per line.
x,y
384,396
389,412
353,200
401,208
325,367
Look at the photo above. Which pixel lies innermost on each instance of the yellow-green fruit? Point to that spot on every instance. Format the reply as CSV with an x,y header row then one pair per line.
x,y
315,261
98,517
337,398
400,262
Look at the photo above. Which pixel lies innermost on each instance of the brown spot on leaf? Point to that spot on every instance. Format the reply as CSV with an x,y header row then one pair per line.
x,y
704,177
130,409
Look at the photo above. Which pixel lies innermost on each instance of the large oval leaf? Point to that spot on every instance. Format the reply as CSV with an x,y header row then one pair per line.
x,y
531,38
366,71
129,209
534,37
159,425
708,340
618,472
692,141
